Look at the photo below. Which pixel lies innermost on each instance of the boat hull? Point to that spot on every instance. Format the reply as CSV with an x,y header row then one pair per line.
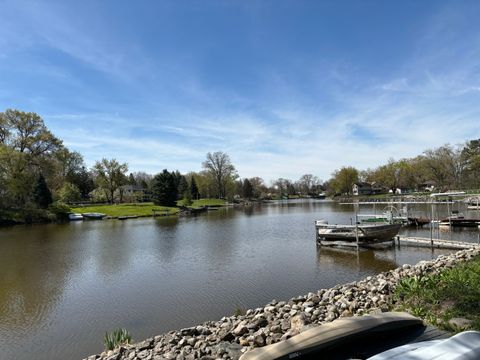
x,y
75,217
94,216
347,234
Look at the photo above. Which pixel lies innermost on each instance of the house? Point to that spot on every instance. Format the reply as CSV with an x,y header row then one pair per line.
x,y
365,188
427,186
362,188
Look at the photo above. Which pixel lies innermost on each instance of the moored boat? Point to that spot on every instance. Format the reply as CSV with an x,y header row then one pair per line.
x,y
457,219
346,235
75,217
94,216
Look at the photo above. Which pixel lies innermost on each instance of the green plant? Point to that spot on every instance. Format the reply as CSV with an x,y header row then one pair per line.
x,y
438,298
239,311
117,338
187,198
60,210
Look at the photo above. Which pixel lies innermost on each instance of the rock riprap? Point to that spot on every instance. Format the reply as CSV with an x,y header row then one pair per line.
x,y
230,337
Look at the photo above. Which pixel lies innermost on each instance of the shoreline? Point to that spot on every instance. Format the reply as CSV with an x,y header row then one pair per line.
x,y
234,335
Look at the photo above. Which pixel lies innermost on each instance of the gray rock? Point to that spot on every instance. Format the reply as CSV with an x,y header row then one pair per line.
x,y
144,354
259,340
233,350
240,329
298,322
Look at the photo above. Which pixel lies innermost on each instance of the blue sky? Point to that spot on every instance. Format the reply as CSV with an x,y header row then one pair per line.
x,y
284,87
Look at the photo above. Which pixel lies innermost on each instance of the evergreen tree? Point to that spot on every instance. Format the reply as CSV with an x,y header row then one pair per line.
x,y
164,189
182,187
41,193
247,189
187,198
84,181
194,189
176,178
131,180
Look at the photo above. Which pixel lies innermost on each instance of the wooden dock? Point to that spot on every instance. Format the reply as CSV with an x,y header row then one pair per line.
x,y
434,243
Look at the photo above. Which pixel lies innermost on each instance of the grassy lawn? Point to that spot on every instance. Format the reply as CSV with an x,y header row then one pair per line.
x,y
454,293
141,209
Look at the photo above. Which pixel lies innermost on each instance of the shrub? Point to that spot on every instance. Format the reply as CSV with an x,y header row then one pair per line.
x,y
60,210
117,338
239,311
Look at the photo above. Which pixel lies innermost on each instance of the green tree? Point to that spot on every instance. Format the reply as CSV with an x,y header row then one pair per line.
x,y
109,176
187,198
221,169
444,166
69,193
259,187
388,175
470,156
131,179
27,148
342,180
18,178
26,132
164,189
247,189
84,181
41,193
194,189
182,187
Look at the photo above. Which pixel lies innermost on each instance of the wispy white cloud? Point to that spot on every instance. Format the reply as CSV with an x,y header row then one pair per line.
x,y
312,115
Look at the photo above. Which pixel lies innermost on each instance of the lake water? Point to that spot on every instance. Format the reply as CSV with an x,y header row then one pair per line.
x,y
63,286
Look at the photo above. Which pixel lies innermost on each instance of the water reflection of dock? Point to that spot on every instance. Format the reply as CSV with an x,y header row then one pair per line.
x,y
362,259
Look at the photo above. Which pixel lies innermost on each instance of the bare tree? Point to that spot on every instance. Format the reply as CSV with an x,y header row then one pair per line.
x,y
309,184
219,166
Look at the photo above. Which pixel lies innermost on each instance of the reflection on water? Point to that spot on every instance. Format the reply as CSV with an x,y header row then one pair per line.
x,y
63,286
375,260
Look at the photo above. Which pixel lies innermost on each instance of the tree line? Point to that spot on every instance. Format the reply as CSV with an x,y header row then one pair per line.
x,y
38,172
444,168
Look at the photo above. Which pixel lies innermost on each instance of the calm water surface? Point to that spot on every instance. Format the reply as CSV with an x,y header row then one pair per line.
x,y
63,286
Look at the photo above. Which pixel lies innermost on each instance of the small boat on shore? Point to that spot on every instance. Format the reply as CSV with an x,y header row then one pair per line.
x,y
75,217
94,216
346,235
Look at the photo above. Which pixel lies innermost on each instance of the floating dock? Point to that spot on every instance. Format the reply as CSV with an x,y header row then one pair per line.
x,y
434,243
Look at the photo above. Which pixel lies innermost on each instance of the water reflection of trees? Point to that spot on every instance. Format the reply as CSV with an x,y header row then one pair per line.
x,y
166,237
372,260
36,264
